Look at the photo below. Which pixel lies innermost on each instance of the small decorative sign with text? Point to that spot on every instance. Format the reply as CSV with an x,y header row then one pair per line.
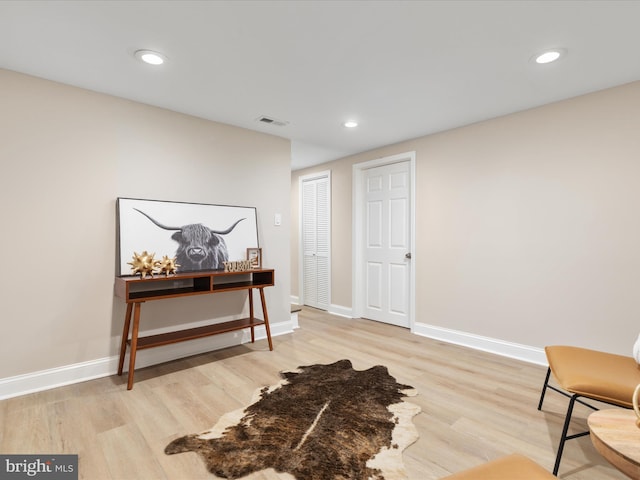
x,y
49,467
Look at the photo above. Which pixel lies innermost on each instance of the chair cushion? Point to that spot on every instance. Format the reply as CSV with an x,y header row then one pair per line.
x,y
597,375
510,467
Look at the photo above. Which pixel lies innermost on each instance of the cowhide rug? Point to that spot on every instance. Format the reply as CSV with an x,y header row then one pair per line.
x,y
322,422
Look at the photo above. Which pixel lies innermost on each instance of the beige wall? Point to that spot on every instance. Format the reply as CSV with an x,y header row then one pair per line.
x,y
527,225
67,154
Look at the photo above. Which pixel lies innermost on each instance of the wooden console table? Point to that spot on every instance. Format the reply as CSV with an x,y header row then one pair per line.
x,y
135,291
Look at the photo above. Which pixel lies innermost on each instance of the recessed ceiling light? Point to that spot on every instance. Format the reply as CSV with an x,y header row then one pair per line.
x,y
350,124
549,55
150,57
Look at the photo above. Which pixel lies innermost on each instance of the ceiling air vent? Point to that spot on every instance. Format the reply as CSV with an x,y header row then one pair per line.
x,y
272,121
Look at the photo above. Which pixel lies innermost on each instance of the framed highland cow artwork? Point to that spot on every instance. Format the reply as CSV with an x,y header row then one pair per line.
x,y
200,236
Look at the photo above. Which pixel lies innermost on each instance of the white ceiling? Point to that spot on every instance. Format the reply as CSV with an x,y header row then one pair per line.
x,y
403,69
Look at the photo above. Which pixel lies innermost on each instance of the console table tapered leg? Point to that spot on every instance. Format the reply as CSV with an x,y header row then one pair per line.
x,y
253,336
134,344
125,336
266,317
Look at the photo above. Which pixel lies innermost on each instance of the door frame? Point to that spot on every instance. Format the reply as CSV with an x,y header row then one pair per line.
x,y
312,176
357,280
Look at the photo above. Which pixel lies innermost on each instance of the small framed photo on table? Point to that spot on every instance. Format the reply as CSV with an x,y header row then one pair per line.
x,y
254,255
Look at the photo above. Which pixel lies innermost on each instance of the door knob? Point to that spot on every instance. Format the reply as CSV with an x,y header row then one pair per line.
x,y
407,255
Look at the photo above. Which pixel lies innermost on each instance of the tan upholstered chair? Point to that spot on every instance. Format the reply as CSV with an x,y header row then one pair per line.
x,y
591,374
511,467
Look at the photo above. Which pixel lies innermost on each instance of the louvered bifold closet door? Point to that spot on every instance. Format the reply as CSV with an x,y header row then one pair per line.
x,y
316,242
309,220
322,244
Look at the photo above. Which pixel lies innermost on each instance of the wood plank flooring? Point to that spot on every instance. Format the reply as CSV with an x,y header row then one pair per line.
x,y
475,406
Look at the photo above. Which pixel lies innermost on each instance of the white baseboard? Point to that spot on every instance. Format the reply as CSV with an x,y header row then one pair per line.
x,y
486,344
57,377
517,351
294,320
333,309
103,367
341,311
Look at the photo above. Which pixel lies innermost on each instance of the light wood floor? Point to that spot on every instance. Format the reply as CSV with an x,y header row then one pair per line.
x,y
475,406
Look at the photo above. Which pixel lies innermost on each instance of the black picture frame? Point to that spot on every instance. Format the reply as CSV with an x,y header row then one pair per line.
x,y
200,235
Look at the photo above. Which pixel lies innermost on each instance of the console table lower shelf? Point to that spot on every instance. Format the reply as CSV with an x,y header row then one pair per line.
x,y
136,343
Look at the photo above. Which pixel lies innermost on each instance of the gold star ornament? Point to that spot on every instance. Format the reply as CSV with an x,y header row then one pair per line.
x,y
143,263
167,265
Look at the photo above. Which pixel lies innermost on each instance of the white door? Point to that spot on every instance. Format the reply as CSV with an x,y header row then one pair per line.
x,y
315,209
386,235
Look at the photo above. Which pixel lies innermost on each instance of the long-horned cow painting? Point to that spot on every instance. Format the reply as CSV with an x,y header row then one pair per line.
x,y
199,247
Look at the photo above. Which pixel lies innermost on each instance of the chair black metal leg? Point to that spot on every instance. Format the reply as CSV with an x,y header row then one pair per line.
x,y
544,388
563,438
573,398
